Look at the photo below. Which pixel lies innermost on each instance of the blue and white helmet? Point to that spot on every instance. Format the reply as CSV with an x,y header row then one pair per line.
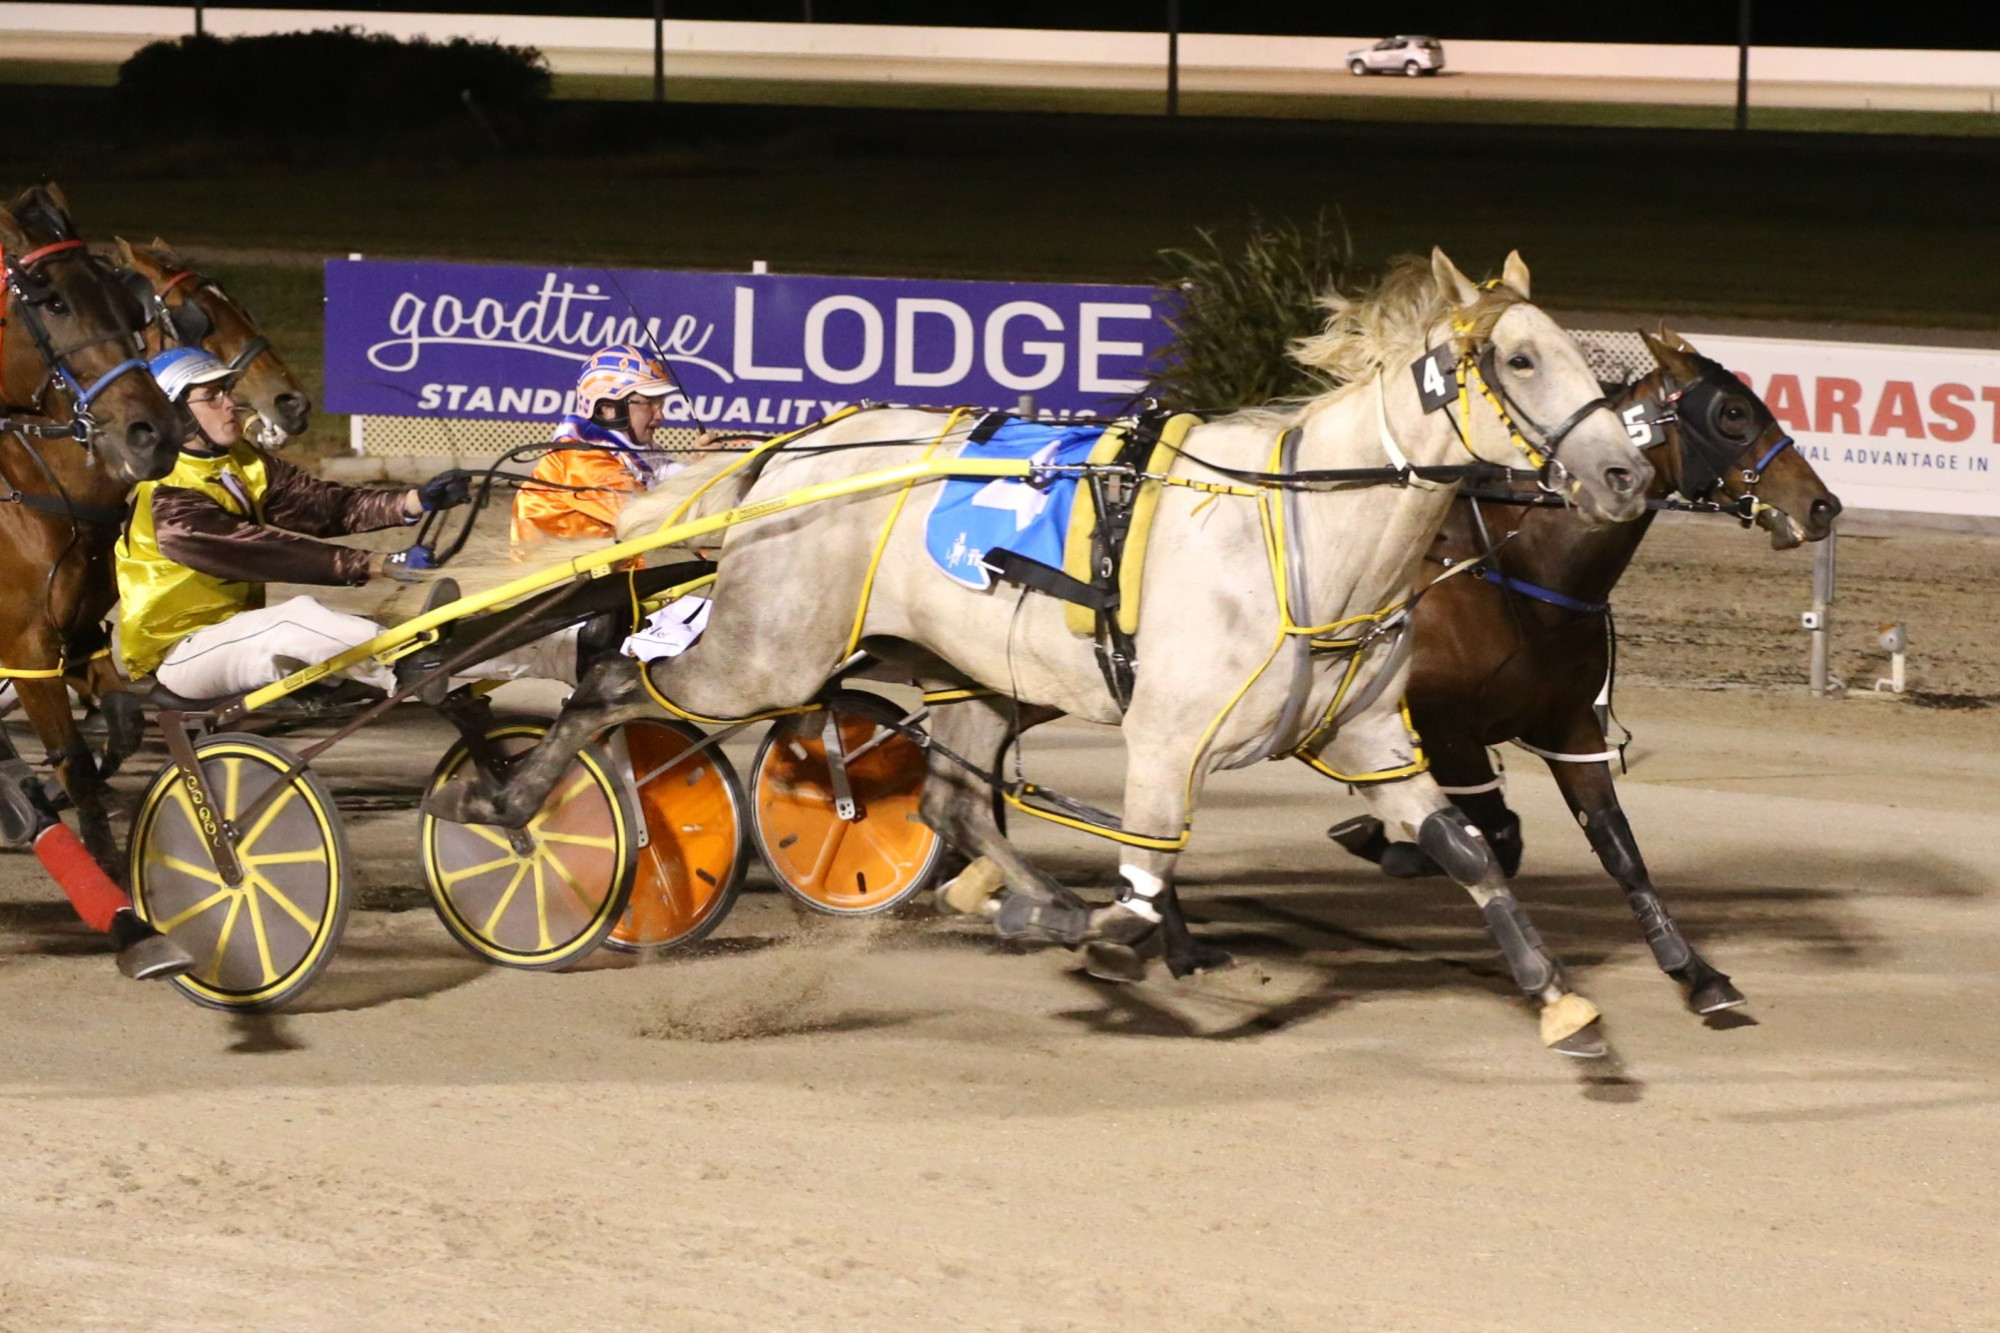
x,y
179,369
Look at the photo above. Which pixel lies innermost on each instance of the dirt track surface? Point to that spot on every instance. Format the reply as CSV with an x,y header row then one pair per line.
x,y
896,1125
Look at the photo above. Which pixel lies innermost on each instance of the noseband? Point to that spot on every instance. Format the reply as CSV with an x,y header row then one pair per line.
x,y
24,295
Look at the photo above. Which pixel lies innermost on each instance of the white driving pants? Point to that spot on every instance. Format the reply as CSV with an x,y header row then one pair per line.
x,y
241,654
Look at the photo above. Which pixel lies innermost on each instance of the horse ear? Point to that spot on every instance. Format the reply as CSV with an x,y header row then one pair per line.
x,y
1515,274
11,235
1452,285
163,252
1677,342
1668,354
139,260
58,199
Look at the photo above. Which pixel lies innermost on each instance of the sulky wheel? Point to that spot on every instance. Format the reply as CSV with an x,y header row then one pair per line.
x,y
548,894
261,942
693,861
871,862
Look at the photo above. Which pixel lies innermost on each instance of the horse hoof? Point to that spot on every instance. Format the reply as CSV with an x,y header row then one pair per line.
x,y
1362,836
1405,860
1020,916
1585,1044
1204,958
971,892
460,803
1119,924
1119,963
1564,1017
154,958
1714,995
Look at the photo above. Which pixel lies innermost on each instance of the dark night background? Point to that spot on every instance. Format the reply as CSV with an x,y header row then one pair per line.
x,y
1776,22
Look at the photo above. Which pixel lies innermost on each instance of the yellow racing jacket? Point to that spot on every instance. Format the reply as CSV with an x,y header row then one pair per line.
x,y
201,542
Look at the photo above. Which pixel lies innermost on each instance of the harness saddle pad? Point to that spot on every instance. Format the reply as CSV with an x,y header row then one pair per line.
x,y
971,516
1076,561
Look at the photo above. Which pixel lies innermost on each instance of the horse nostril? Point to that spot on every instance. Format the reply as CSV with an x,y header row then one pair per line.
x,y
1621,480
1827,508
142,437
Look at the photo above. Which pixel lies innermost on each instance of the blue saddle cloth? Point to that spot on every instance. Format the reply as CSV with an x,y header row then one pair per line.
x,y
974,515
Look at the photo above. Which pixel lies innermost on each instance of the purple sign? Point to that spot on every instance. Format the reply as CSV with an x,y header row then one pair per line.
x,y
758,351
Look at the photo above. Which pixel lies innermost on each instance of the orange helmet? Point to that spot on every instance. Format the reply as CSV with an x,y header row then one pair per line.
x,y
619,372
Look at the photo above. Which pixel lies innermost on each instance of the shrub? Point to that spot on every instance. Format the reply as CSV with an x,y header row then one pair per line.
x,y
332,83
1240,309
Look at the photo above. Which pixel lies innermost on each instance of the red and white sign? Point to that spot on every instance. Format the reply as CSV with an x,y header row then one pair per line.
x,y
1888,427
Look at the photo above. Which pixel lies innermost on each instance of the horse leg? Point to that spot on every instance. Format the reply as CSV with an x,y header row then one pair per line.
x,y
609,694
1414,808
1465,774
1593,799
46,703
959,805
1163,774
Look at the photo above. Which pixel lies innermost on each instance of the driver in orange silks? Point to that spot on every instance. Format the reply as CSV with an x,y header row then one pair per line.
x,y
602,452
602,455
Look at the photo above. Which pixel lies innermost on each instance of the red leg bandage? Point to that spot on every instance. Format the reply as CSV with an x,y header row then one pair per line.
x,y
71,865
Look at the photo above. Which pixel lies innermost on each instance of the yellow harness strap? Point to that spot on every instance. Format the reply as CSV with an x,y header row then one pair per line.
x,y
775,442
951,423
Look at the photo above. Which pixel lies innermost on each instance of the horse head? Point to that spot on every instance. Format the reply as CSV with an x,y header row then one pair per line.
x,y
190,310
1727,442
1546,405
71,326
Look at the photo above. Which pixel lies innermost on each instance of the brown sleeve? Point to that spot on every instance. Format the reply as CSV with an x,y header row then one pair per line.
x,y
300,502
195,531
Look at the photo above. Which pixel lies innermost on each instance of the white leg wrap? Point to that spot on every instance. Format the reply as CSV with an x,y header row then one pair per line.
x,y
1145,886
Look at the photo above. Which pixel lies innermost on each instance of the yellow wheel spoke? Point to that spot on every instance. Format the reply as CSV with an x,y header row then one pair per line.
x,y
292,910
467,872
257,927
542,906
310,856
204,873
486,832
271,812
569,881
507,897
584,781
186,915
222,938
232,785
579,839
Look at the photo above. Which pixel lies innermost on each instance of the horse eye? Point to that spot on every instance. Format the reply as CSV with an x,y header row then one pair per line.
x,y
1519,362
57,306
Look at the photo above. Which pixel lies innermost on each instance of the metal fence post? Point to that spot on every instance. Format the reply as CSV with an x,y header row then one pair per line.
x,y
1819,620
1743,64
1173,57
659,50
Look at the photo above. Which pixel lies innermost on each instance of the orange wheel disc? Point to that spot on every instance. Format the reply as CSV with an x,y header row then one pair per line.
x,y
692,864
869,863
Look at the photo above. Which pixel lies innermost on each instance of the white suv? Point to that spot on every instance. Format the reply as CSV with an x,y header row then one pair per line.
x,y
1392,55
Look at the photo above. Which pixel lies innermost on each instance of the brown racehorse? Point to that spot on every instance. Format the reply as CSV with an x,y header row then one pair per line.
x,y
70,355
1519,647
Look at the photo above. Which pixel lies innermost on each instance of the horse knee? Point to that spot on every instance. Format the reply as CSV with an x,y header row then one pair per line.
x,y
1449,838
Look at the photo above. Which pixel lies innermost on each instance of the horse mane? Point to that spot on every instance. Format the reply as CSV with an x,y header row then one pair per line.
x,y
1367,330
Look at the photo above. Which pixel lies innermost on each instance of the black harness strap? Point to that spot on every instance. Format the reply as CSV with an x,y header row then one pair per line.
x,y
1024,571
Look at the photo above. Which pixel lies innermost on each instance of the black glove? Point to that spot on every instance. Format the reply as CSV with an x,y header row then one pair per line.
x,y
447,490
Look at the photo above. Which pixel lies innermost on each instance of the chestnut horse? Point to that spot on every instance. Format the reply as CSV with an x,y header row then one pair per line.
x,y
92,423
1520,651
57,544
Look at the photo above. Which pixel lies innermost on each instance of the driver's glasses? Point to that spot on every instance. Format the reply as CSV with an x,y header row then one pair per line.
x,y
204,397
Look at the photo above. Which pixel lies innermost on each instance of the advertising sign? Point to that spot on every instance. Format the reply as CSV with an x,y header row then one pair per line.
x,y
1915,429
761,352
